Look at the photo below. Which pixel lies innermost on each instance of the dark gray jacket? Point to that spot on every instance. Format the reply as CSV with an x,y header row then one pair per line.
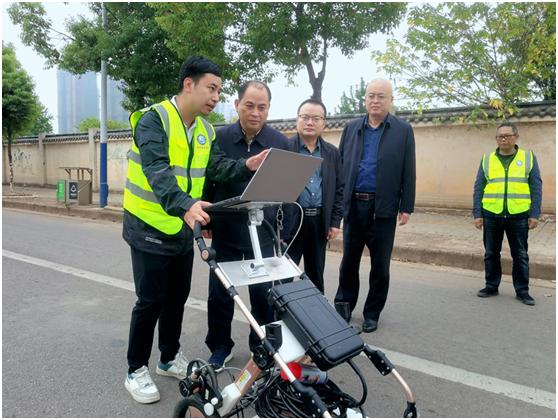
x,y
332,184
396,173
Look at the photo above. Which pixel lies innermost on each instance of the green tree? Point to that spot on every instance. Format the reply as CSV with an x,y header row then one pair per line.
x,y
291,35
354,102
146,42
134,44
215,30
20,106
93,122
476,54
42,123
215,118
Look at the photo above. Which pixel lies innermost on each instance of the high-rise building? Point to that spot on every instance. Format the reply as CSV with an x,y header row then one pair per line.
x,y
115,111
78,98
226,110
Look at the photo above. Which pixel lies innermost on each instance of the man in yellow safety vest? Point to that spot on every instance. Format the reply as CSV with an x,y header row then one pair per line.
x,y
507,199
172,148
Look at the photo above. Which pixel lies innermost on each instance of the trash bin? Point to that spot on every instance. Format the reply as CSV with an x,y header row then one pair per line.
x,y
79,191
61,190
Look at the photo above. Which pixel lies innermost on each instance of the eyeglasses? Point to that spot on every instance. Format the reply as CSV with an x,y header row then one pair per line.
x,y
314,118
505,136
378,96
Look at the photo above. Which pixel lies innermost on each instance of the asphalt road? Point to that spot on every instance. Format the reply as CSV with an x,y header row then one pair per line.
x,y
68,292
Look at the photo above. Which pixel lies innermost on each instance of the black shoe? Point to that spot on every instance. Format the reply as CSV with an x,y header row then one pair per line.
x,y
487,292
344,309
369,325
526,299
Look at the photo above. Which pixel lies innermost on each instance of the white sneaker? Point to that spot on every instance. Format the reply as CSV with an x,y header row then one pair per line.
x,y
141,387
176,368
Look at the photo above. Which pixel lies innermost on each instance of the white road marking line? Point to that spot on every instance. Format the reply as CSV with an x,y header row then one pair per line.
x,y
486,383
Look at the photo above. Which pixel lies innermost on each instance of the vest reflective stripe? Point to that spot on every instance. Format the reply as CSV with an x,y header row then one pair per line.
x,y
209,129
143,194
133,156
528,163
139,198
510,179
177,170
163,114
514,188
509,196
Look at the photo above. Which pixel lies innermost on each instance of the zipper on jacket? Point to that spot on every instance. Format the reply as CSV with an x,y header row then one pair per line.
x,y
506,191
190,158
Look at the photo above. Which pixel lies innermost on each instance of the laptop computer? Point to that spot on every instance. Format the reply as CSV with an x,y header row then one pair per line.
x,y
280,179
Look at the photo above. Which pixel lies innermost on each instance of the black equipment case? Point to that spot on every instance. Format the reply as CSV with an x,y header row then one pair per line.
x,y
321,331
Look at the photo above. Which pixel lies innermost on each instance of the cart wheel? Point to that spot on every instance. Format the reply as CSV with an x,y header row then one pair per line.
x,y
193,407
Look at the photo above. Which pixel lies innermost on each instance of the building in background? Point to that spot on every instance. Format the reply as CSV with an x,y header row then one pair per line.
x,y
78,98
115,111
226,110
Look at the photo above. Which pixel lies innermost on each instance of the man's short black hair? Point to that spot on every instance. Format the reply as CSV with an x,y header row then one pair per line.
x,y
195,67
242,89
509,124
312,101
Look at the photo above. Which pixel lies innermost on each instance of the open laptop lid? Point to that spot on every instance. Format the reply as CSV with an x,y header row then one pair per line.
x,y
281,177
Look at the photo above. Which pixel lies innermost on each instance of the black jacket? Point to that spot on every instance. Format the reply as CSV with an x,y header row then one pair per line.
x,y
230,229
396,173
332,184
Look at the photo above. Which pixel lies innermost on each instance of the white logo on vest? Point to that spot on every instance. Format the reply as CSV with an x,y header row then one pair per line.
x,y
201,139
519,163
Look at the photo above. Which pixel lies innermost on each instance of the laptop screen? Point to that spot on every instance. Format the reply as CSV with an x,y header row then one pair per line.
x,y
281,177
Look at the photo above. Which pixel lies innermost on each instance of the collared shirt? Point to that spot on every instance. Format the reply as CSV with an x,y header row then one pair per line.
x,y
188,130
366,177
247,139
311,196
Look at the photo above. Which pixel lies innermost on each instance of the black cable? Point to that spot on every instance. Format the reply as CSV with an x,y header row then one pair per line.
x,y
364,387
271,232
279,399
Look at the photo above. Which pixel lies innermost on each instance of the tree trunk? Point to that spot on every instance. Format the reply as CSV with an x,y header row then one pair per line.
x,y
317,90
10,163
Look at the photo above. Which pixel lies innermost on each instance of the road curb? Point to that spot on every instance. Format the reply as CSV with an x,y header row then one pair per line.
x,y
94,213
471,261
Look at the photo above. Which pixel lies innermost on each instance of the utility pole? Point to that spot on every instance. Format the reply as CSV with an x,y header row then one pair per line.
x,y
103,185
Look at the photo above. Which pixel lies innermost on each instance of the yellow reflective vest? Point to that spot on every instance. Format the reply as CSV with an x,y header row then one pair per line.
x,y
511,184
187,160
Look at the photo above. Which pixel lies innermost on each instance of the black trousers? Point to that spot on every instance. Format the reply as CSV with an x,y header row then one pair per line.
x,y
162,287
378,235
517,232
311,244
220,306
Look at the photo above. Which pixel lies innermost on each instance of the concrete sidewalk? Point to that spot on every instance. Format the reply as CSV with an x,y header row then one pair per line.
x,y
433,236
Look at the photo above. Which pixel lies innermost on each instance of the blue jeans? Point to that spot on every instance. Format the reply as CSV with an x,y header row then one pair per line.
x,y
517,231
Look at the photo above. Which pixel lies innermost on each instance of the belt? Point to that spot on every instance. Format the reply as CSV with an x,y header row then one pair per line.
x,y
364,196
312,211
